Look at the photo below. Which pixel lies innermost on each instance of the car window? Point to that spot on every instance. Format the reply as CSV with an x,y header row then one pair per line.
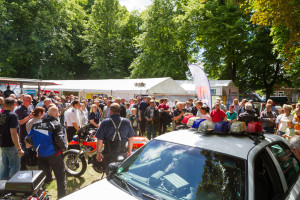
x,y
171,171
267,184
287,161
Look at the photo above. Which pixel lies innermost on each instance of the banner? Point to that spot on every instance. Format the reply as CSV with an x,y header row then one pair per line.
x,y
201,84
90,95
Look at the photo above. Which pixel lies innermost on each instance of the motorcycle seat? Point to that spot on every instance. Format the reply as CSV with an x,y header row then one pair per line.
x,y
2,186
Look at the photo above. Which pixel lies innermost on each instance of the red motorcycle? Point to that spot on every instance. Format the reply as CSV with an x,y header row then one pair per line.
x,y
84,149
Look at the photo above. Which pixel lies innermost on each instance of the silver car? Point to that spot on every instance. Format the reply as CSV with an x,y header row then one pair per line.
x,y
188,165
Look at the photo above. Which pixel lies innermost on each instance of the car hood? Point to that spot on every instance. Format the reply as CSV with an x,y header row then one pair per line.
x,y
99,190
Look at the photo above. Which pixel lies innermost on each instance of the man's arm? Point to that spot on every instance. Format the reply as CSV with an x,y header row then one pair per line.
x,y
75,125
98,150
15,139
59,138
130,145
26,119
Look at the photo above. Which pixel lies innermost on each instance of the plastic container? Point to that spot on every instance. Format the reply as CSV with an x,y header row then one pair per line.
x,y
254,127
192,120
186,119
206,127
197,123
222,127
238,127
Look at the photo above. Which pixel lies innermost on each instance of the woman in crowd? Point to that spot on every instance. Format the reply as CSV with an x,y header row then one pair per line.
x,y
284,118
38,113
231,114
94,117
31,159
128,112
204,110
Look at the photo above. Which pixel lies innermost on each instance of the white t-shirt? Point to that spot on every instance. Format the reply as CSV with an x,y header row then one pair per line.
x,y
283,122
72,116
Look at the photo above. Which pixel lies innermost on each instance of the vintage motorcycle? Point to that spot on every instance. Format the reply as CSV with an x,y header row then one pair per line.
x,y
83,147
24,185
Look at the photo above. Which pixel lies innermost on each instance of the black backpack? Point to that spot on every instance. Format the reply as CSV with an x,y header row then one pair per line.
x,y
3,126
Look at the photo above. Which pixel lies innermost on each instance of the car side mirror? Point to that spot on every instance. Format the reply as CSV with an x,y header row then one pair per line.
x,y
112,169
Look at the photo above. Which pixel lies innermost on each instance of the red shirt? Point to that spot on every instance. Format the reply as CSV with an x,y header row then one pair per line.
x,y
217,116
164,106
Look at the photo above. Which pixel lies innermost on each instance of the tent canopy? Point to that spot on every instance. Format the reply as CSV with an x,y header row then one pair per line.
x,y
120,87
189,85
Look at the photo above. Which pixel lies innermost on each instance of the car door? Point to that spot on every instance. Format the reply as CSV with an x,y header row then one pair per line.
x,y
288,168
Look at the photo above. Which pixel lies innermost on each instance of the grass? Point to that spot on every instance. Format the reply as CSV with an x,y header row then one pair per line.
x,y
74,184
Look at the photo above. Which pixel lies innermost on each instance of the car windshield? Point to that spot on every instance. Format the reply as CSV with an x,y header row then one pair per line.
x,y
163,170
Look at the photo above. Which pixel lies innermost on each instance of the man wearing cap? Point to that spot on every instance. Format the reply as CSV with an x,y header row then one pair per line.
x,y
152,118
143,106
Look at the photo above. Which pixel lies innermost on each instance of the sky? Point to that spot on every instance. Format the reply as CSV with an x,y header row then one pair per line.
x,y
135,4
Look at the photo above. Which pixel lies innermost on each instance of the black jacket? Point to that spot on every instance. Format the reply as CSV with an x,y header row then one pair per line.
x,y
53,127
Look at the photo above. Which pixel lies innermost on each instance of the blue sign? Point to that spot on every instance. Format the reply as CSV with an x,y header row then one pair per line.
x,y
213,91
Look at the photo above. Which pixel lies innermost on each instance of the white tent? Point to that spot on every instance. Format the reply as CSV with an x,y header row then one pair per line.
x,y
224,89
125,88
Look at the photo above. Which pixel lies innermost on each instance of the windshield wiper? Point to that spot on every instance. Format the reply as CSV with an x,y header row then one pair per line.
x,y
149,196
127,185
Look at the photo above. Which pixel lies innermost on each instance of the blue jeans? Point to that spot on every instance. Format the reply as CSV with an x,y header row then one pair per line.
x,y
269,129
150,131
11,163
281,133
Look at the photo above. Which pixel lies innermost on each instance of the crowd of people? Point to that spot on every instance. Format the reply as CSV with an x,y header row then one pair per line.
x,y
58,118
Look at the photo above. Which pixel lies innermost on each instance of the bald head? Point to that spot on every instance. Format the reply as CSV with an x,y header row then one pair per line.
x,y
53,111
115,108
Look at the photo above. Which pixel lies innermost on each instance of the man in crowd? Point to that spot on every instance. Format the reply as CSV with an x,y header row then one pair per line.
x,y
242,106
248,115
122,107
178,113
222,106
48,140
47,102
268,119
254,108
72,120
114,132
217,114
10,146
164,109
152,118
24,115
8,92
142,119
196,108
106,109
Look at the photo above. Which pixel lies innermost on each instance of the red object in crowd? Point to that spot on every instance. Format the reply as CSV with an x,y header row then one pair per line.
x,y
254,127
186,119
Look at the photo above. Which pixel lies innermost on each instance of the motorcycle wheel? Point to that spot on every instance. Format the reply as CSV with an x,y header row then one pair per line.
x,y
74,167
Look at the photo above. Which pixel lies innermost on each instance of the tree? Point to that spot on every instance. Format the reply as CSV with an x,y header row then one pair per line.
x,y
110,35
283,17
222,33
36,39
264,69
163,45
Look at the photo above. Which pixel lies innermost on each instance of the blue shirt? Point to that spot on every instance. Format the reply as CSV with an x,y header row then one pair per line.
x,y
106,129
22,112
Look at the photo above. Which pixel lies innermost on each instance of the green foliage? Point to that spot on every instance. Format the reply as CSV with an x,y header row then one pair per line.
x,y
222,31
163,45
110,33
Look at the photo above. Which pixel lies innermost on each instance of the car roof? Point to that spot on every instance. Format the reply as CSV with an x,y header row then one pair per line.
x,y
238,146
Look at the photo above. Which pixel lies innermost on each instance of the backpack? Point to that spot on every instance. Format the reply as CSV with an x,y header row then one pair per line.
x,y
3,125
